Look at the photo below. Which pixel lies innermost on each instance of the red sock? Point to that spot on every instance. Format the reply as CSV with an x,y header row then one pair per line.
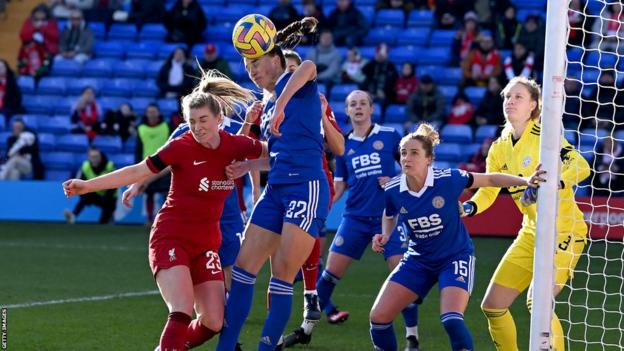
x,y
174,334
309,270
197,334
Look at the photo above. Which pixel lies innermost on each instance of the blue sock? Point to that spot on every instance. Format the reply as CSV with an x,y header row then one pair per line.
x,y
280,306
325,287
237,308
383,336
456,329
410,315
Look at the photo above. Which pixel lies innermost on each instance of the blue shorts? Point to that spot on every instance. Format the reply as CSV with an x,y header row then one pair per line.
x,y
231,239
355,234
420,278
302,204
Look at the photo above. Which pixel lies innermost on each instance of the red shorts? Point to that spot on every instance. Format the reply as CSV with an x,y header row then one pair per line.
x,y
205,266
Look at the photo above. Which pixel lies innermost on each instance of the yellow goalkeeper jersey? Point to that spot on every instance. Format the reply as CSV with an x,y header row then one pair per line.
x,y
521,158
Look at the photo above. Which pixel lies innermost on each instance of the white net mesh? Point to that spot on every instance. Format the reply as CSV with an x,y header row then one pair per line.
x,y
591,307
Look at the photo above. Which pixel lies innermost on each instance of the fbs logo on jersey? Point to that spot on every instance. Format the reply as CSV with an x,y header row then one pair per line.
x,y
172,256
403,210
204,184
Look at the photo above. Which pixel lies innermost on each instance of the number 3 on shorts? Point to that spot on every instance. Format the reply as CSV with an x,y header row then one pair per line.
x,y
296,209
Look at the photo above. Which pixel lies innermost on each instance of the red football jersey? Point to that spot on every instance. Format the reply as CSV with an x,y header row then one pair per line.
x,y
198,188
330,177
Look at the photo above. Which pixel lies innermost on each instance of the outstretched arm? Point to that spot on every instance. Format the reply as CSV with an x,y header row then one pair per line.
x,y
138,188
124,176
304,73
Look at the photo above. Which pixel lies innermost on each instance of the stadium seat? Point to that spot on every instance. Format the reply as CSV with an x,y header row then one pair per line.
x,y
145,50
55,125
98,29
110,102
119,87
484,132
441,75
72,142
570,136
475,94
468,150
167,49
58,160
449,91
212,12
434,56
395,114
122,31
122,160
420,18
219,32
26,84
4,136
601,59
381,35
240,2
68,68
339,111
153,31
590,137
442,164
340,91
152,68
100,67
108,144
232,14
392,18
402,54
575,54
2,123
442,38
376,116
590,75
449,152
140,104
396,126
131,69
51,86
57,175
454,133
238,70
168,106
413,36
367,52
77,85
47,141
40,104
111,49
65,105
229,53
129,145
31,120
539,5
145,88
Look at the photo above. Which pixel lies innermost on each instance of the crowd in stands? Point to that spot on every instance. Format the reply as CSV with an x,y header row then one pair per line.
x,y
440,61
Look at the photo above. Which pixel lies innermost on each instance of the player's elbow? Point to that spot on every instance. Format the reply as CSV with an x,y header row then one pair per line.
x,y
309,68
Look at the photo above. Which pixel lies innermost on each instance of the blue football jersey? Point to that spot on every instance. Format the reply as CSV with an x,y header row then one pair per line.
x,y
365,160
295,156
231,209
431,216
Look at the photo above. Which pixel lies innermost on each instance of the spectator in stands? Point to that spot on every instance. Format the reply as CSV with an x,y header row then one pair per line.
x,y
10,94
608,179
477,162
76,39
381,74
185,22
22,157
426,104
42,29
212,60
600,107
86,114
608,28
312,9
489,110
465,37
175,77
34,60
352,67
141,12
64,8
448,13
327,59
405,5
96,165
120,122
406,84
482,63
572,109
489,11
532,36
153,133
576,18
283,14
507,28
102,11
347,23
462,110
520,63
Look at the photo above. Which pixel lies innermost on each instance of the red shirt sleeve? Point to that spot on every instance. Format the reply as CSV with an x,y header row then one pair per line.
x,y
332,119
246,147
164,157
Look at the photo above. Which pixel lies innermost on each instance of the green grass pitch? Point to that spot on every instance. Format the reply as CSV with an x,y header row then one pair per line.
x,y
46,262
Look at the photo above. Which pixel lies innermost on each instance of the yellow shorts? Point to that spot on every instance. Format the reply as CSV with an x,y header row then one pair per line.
x,y
515,270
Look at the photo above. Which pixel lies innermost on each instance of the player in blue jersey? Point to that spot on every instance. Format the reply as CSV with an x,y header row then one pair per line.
x,y
369,161
425,200
291,210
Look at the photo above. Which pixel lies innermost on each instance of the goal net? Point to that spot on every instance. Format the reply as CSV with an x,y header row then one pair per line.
x,y
591,306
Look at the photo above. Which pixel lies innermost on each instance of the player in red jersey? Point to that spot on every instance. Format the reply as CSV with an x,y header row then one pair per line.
x,y
185,236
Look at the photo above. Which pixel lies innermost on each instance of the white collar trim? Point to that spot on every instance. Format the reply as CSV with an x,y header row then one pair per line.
x,y
428,183
376,128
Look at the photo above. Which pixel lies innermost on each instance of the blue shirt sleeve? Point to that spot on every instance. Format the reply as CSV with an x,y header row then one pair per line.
x,y
460,180
391,209
396,141
182,128
341,170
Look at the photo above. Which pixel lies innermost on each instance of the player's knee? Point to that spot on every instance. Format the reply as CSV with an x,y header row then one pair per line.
x,y
380,316
212,321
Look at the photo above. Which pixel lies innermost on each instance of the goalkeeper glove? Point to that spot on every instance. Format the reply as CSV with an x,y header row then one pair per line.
x,y
529,197
466,209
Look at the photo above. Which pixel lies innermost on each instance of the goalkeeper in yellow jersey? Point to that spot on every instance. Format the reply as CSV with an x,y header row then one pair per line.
x,y
516,152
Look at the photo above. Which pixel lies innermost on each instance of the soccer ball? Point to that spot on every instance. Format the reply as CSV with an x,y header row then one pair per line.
x,y
253,36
